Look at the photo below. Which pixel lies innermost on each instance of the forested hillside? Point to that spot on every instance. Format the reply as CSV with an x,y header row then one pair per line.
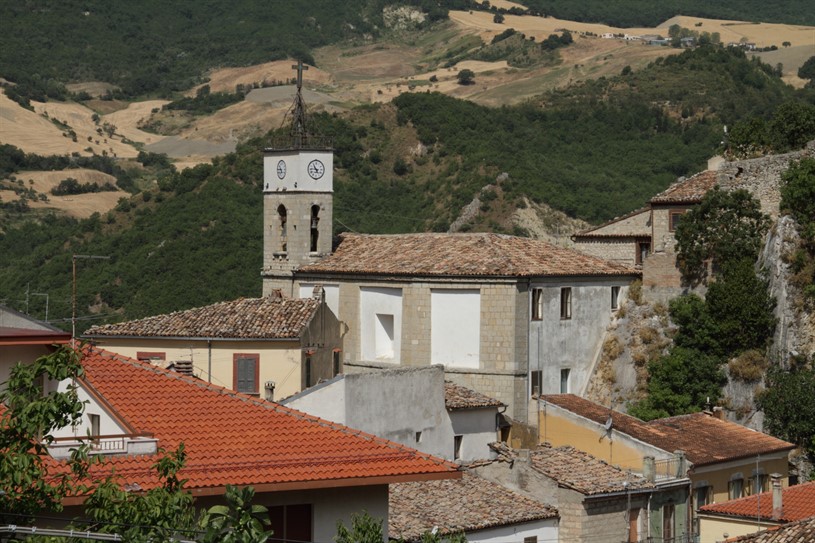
x,y
598,150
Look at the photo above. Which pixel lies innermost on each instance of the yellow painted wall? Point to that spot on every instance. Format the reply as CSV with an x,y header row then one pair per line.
x,y
559,430
713,530
719,478
280,361
11,355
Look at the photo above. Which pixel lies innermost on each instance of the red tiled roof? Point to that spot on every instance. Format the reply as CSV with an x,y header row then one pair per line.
x,y
459,397
467,504
582,472
796,532
262,318
703,438
235,439
459,255
798,503
687,191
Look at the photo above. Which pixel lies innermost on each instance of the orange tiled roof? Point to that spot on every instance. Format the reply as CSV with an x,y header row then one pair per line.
x,y
459,255
687,191
232,438
796,532
798,503
582,472
262,318
464,505
705,439
459,397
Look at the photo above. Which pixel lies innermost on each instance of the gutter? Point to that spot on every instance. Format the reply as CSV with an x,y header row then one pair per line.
x,y
193,338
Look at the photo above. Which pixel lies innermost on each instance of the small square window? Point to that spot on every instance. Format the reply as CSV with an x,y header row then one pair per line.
x,y
566,303
418,437
95,421
537,304
535,383
643,250
564,380
673,219
735,489
615,297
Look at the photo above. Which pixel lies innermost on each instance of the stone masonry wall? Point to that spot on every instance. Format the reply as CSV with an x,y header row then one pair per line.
x,y
621,250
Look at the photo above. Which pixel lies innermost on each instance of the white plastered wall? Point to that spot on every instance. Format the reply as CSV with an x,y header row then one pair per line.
x,y
332,295
381,323
455,327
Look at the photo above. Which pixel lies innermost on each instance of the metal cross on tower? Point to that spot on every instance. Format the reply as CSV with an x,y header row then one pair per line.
x,y
298,123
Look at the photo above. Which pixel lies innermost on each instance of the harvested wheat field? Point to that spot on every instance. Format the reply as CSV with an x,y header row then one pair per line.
x,y
77,205
226,79
127,121
34,133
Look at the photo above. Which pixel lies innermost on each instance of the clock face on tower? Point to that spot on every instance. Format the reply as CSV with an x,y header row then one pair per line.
x,y
281,169
316,169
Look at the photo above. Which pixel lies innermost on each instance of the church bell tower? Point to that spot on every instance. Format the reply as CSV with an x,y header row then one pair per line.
x,y
298,200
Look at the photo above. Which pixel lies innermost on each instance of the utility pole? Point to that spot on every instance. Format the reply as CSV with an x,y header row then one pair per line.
x,y
74,258
46,302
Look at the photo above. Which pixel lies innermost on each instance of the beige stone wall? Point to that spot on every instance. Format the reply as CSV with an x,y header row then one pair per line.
x,y
635,225
620,250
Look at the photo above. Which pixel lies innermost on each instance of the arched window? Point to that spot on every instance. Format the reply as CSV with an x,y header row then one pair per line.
x,y
282,218
315,222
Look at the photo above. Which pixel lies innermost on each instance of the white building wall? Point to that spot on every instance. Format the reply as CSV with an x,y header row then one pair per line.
x,y
107,424
574,343
545,530
381,323
326,400
477,428
455,318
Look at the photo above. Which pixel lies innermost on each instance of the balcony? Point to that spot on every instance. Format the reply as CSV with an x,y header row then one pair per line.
x,y
123,444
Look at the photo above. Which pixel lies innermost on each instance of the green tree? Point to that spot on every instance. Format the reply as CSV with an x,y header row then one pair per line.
x,y
726,226
680,382
788,402
742,308
237,522
27,426
697,329
466,77
364,529
792,126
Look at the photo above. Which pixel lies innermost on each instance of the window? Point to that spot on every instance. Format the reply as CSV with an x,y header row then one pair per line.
x,y
643,250
531,539
457,447
315,231
291,523
536,383
337,365
615,297
564,380
282,217
673,219
418,437
245,373
566,303
668,523
735,489
537,304
308,371
702,495
758,483
95,425
151,357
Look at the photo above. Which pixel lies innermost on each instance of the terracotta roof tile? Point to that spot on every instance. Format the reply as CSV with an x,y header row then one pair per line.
x,y
583,472
462,505
459,255
687,191
705,439
798,503
796,532
262,318
235,439
459,397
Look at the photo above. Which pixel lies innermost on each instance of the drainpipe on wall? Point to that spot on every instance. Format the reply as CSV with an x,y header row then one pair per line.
x,y
209,360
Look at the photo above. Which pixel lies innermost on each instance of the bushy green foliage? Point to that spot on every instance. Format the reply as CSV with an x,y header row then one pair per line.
x,y
791,126
798,199
639,13
788,402
726,227
807,70
364,529
72,186
679,383
237,522
206,102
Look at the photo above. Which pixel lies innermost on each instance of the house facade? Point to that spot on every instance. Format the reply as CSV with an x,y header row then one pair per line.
x,y
308,472
411,406
724,460
505,316
24,339
270,347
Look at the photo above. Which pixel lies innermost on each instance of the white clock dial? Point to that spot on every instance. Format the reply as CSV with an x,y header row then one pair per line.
x,y
281,169
316,169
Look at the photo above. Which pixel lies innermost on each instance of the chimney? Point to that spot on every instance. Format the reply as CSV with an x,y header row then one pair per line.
x,y
778,502
681,464
276,294
649,468
718,412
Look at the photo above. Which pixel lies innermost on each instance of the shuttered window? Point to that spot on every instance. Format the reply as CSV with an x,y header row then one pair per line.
x,y
246,373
